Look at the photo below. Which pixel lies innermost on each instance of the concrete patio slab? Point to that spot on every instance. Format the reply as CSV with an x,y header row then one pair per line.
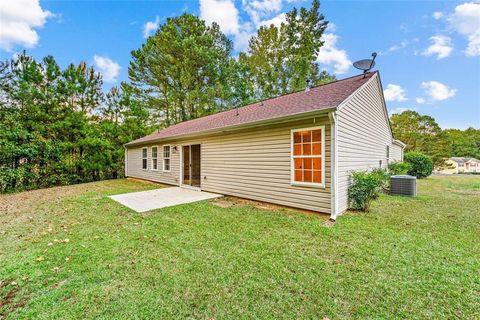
x,y
160,198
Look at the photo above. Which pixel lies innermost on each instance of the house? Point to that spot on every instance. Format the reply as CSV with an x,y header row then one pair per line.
x,y
295,150
460,165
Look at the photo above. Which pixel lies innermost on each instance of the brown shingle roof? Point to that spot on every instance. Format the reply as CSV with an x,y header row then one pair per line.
x,y
322,97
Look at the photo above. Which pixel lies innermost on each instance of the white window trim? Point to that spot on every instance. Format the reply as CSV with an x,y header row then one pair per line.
x,y
151,158
145,169
292,164
163,157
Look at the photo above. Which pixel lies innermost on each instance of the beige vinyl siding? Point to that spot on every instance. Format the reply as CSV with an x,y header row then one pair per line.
x,y
250,163
363,134
396,153
134,165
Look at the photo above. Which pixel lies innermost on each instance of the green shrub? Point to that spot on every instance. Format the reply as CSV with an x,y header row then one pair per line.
x,y
365,187
399,168
421,165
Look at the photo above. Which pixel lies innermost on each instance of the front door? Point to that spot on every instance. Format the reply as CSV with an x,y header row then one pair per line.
x,y
191,165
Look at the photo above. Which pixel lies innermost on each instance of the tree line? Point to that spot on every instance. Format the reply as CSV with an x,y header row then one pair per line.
x,y
58,126
423,134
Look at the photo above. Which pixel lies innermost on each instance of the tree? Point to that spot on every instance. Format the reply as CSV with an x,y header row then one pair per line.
x,y
463,143
420,133
182,71
421,166
56,128
281,59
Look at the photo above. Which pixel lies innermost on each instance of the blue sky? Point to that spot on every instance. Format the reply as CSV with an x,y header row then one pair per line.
x,y
429,51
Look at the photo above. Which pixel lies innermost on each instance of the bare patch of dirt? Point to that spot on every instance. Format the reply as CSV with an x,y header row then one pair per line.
x,y
7,304
222,203
465,192
229,202
329,223
11,203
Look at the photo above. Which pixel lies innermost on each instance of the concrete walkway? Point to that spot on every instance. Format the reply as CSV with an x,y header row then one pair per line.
x,y
160,198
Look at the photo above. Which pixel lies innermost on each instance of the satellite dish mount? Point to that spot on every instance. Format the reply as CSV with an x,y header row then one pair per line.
x,y
365,64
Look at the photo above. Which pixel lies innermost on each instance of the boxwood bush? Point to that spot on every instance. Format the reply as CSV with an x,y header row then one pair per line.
x,y
421,165
365,187
399,168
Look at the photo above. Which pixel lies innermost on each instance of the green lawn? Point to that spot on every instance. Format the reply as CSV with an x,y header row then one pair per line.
x,y
71,252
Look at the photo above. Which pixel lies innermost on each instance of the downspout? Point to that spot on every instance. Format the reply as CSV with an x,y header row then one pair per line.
x,y
333,187
125,167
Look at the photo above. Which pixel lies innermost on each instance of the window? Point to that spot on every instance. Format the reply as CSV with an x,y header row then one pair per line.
x,y
154,158
166,158
307,156
144,158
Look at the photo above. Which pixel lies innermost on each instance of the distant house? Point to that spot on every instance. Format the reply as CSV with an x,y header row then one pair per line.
x,y
460,165
296,150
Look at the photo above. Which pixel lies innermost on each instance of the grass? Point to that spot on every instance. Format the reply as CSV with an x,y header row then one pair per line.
x,y
408,258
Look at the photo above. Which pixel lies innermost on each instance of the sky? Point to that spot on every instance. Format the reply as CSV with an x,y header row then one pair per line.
x,y
428,51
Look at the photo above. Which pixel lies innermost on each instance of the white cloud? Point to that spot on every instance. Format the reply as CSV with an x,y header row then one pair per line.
x,y
107,67
226,14
331,56
404,28
331,27
259,9
466,21
420,100
394,92
243,36
400,46
438,91
19,21
276,21
222,12
437,15
150,26
441,47
265,5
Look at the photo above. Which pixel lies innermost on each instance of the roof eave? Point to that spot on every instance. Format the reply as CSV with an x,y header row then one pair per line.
x,y
400,143
295,116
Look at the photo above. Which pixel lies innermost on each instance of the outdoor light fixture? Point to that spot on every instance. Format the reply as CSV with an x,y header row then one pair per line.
x,y
174,149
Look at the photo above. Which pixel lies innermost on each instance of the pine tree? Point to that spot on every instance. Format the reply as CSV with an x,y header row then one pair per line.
x,y
182,71
281,59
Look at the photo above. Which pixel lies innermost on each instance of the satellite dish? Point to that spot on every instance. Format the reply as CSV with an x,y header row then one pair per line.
x,y
365,64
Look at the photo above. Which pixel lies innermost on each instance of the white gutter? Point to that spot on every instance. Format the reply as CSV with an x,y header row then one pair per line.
x,y
125,166
334,179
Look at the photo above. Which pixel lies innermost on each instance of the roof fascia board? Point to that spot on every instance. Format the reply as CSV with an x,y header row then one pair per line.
x,y
292,117
399,143
384,105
